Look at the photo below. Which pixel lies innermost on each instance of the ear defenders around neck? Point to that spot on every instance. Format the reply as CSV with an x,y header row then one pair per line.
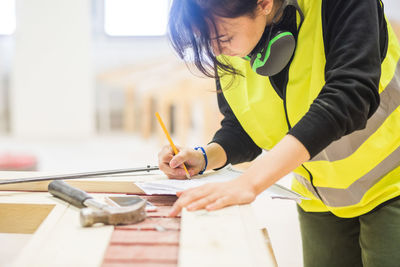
x,y
272,59
272,54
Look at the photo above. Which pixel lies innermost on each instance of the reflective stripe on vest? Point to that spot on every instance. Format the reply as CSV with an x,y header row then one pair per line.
x,y
347,145
336,197
353,174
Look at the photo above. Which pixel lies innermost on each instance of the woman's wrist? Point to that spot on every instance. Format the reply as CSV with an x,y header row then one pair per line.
x,y
205,160
216,156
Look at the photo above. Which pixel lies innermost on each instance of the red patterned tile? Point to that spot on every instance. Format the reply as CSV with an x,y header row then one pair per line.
x,y
151,243
162,211
138,264
141,253
161,200
153,223
145,237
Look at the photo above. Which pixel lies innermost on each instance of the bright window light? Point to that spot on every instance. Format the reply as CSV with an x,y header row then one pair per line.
x,y
135,17
7,17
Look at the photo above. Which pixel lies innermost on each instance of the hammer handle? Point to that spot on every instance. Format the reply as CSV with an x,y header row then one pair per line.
x,y
68,193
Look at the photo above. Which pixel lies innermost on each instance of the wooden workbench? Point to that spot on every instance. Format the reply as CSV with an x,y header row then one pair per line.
x,y
227,237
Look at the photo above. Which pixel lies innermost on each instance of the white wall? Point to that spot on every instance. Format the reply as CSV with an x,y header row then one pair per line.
x,y
52,80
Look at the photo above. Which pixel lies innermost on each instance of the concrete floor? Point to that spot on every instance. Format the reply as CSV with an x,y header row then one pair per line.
x,y
121,151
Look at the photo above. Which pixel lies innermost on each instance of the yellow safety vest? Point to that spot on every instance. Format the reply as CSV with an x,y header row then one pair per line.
x,y
352,175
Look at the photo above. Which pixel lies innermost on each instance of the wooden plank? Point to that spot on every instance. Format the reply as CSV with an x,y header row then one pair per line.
x,y
258,239
228,237
60,240
86,185
27,197
11,245
29,217
109,184
45,229
84,246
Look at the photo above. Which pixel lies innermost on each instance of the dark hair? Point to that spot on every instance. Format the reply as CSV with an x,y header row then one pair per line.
x,y
189,33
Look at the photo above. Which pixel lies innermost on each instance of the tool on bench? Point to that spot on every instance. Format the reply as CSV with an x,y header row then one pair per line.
x,y
97,212
77,175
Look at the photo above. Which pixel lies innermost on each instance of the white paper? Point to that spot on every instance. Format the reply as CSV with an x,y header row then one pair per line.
x,y
171,186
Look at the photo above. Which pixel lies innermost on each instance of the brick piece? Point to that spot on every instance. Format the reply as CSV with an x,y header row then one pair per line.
x,y
138,264
161,200
145,237
141,253
152,223
162,211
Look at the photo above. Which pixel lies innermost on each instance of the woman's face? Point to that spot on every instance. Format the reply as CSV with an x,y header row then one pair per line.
x,y
238,36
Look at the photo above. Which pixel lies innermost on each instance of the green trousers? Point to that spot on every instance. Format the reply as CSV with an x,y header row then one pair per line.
x,y
370,240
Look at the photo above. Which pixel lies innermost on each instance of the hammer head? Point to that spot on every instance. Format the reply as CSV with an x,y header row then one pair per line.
x,y
114,215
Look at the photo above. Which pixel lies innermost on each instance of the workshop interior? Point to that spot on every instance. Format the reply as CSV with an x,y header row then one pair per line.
x,y
80,83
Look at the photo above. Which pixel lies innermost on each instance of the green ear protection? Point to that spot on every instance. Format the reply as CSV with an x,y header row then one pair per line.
x,y
273,53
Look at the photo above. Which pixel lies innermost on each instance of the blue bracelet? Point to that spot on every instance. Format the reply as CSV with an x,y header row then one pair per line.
x,y
205,158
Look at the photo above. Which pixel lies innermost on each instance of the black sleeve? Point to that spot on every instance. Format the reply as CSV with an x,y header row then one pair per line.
x,y
355,39
238,145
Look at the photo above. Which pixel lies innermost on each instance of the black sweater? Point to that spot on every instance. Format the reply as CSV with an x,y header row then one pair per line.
x,y
355,40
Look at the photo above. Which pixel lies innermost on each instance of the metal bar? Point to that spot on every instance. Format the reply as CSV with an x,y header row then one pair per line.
x,y
76,175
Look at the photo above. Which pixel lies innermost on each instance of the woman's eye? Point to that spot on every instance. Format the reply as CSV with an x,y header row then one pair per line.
x,y
226,41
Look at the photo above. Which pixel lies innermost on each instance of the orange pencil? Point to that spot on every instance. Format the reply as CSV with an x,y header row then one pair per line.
x,y
170,141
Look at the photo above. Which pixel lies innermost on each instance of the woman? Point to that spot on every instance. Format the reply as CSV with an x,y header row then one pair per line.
x,y
314,82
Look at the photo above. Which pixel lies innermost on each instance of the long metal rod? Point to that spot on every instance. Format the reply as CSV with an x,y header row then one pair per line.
x,y
76,175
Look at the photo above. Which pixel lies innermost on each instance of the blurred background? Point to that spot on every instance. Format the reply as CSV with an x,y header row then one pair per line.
x,y
80,81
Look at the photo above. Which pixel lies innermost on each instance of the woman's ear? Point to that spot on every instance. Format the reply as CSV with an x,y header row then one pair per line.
x,y
265,6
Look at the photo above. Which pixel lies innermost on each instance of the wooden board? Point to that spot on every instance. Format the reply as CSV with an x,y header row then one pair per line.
x,y
227,237
108,184
30,217
59,240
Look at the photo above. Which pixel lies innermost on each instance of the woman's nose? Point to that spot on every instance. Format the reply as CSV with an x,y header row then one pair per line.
x,y
221,50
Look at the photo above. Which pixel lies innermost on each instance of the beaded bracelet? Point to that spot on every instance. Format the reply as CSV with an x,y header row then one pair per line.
x,y
205,158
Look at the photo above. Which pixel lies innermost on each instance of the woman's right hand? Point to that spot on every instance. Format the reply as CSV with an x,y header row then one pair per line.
x,y
172,165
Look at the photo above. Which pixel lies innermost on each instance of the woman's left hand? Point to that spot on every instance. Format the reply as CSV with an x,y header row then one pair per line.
x,y
214,196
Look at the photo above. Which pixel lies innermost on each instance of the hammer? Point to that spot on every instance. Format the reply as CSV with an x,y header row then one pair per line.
x,y
97,212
